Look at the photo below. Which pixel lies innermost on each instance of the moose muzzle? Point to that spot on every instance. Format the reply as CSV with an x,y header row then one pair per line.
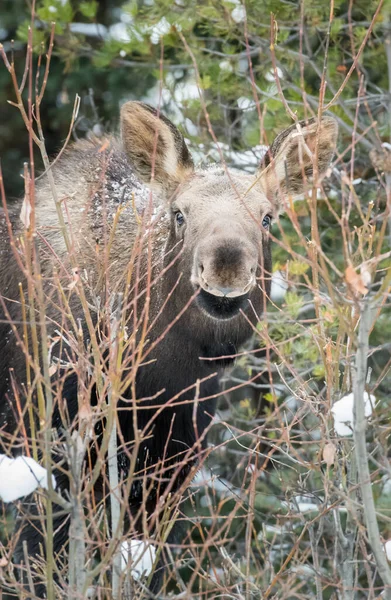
x,y
225,267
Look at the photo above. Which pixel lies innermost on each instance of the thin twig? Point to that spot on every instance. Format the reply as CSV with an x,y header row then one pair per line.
x,y
364,475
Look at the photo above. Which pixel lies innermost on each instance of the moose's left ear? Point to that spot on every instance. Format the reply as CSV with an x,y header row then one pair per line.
x,y
155,147
290,159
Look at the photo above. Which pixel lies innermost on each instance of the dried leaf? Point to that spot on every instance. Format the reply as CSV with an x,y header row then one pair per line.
x,y
25,211
329,452
355,281
366,275
328,349
104,146
85,412
328,316
52,369
76,279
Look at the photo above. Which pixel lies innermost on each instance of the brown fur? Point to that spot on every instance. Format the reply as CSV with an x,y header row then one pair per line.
x,y
292,154
218,248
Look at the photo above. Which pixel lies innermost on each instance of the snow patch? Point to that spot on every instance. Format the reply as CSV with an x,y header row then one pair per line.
x,y
387,549
270,75
243,65
159,30
205,478
304,505
245,103
308,194
239,14
89,29
186,91
342,411
226,65
140,555
279,287
387,486
126,18
120,32
205,501
246,160
191,128
20,477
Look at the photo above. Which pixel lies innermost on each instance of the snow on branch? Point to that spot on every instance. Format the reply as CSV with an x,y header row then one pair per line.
x,y
20,477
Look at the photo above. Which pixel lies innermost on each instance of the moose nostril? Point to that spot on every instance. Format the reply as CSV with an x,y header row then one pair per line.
x,y
201,276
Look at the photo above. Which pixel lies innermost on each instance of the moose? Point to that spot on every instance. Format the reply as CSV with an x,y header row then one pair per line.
x,y
201,273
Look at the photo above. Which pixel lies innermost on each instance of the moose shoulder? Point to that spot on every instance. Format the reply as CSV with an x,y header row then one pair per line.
x,y
191,260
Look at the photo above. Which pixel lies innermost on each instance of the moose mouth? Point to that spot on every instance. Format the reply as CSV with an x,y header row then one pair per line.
x,y
221,307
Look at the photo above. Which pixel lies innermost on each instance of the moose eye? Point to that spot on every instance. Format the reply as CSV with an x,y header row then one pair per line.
x,y
266,221
179,218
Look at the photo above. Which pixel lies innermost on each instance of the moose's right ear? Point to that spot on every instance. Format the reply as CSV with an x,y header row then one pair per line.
x,y
290,159
155,147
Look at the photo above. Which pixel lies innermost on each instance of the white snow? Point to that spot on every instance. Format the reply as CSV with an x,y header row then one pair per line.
x,y
279,287
217,574
308,194
89,29
205,501
191,128
270,75
342,411
387,549
178,73
20,477
120,32
304,505
307,507
172,101
238,14
159,30
226,65
386,485
126,17
245,103
91,593
205,478
186,91
25,211
246,160
140,554
242,66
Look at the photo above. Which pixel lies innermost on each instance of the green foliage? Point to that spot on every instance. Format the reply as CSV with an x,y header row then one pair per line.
x,y
88,9
55,11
